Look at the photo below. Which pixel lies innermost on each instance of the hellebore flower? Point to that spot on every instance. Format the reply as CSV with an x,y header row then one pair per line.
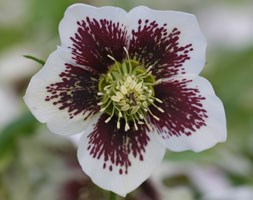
x,y
129,82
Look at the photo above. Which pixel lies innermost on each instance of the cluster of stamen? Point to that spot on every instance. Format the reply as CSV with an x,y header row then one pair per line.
x,y
127,92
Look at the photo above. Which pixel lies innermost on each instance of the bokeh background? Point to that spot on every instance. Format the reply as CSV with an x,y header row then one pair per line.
x,y
38,165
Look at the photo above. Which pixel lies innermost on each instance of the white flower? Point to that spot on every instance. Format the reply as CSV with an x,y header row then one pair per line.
x,y
129,82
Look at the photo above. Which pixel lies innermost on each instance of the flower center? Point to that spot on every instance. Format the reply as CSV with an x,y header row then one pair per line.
x,y
127,92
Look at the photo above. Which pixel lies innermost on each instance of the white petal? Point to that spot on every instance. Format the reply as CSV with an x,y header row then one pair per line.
x,y
58,121
185,23
78,12
121,184
206,136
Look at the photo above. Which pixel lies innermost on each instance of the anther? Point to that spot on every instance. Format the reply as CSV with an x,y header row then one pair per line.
x,y
120,114
154,116
138,87
102,109
132,85
145,104
158,100
135,126
112,58
118,124
125,49
108,119
149,68
141,116
115,98
123,89
129,79
147,124
119,94
158,81
126,126
110,76
125,107
158,108
157,118
134,110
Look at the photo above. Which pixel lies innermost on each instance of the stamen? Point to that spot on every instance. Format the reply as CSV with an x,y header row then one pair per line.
x,y
134,110
123,90
110,76
147,124
107,87
128,57
118,94
126,126
149,68
112,58
118,124
100,103
141,116
154,116
115,98
158,100
108,119
135,125
125,107
129,80
120,114
132,85
138,87
127,92
158,108
104,108
158,81
142,97
145,104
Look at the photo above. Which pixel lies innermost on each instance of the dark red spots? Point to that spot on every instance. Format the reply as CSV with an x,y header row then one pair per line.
x,y
115,146
184,112
155,45
76,92
94,40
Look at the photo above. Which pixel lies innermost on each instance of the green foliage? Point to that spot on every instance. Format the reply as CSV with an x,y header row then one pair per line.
x,y
23,126
9,36
231,76
47,13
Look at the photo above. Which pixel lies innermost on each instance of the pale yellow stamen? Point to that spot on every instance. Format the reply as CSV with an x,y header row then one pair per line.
x,y
127,92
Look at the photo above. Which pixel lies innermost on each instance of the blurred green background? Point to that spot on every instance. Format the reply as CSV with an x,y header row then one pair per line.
x,y
35,164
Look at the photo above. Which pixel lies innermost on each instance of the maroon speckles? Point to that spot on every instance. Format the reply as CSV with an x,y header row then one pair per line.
x,y
94,40
76,92
115,146
184,112
150,44
153,44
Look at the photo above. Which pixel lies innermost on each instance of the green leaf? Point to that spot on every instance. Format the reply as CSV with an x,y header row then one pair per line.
x,y
35,59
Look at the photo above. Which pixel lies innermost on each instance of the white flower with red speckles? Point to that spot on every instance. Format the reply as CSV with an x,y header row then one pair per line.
x,y
129,82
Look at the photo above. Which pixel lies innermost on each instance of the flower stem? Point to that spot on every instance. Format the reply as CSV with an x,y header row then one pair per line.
x,y
113,196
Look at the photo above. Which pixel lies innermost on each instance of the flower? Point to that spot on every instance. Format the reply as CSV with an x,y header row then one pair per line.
x,y
129,82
